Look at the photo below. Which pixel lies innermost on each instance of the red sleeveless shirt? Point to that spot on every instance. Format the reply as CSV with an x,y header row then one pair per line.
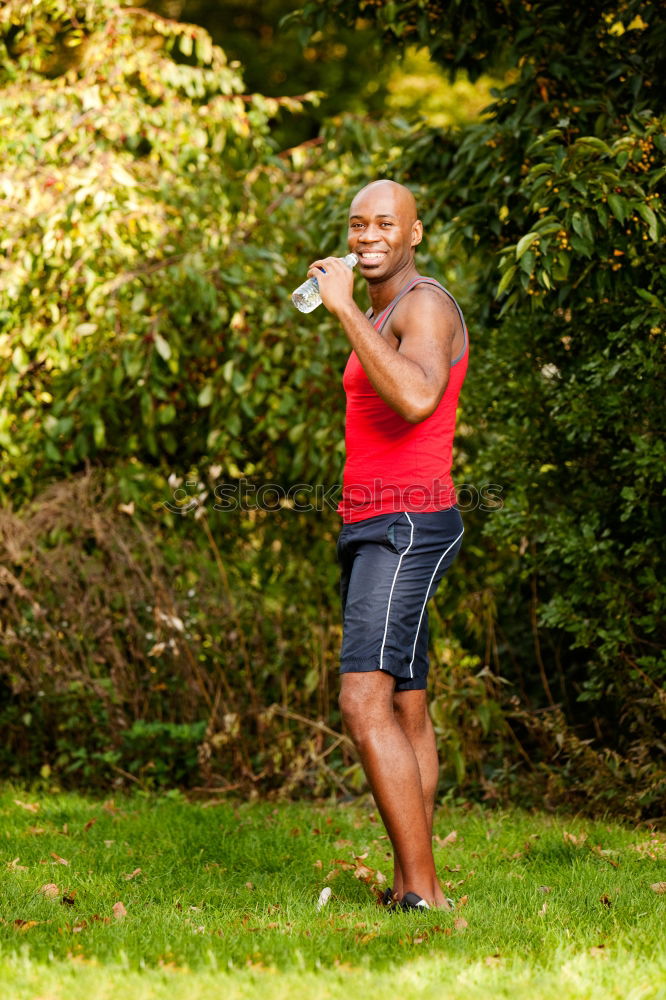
x,y
393,465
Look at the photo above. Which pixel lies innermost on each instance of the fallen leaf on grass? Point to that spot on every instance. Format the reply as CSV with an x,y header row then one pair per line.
x,y
343,966
493,960
32,807
25,925
91,822
50,890
119,911
460,924
339,844
659,887
318,863
14,866
363,874
605,900
598,951
58,859
249,885
449,839
68,897
545,888
605,855
571,838
36,830
543,910
131,875
463,901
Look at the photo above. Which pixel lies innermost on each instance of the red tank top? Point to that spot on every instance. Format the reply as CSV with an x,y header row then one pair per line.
x,y
393,465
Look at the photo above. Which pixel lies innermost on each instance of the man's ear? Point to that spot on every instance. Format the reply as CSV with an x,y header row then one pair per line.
x,y
417,233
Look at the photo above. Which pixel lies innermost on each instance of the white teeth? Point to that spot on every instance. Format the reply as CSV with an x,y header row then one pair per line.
x,y
372,256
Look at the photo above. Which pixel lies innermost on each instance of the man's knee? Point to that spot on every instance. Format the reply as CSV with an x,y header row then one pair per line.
x,y
365,703
353,705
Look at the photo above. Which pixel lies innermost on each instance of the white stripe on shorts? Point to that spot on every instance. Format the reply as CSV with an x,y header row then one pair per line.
x,y
418,627
395,577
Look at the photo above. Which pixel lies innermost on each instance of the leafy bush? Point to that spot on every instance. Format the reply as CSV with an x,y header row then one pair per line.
x,y
146,334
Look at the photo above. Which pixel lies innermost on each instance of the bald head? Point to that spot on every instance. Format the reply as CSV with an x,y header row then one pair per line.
x,y
384,230
387,194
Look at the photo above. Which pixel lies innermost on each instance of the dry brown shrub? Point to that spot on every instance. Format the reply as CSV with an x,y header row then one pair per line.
x,y
93,601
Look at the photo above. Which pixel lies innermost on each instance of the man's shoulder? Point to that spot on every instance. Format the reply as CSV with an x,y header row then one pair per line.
x,y
428,294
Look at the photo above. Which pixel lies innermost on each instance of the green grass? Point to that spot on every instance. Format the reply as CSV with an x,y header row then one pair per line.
x,y
225,905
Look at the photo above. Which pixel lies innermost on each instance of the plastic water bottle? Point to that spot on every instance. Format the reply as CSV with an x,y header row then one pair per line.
x,y
307,297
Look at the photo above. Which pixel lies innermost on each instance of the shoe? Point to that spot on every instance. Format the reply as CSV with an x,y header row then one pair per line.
x,y
410,901
386,899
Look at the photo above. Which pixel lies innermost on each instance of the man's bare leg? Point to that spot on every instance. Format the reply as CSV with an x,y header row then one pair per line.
x,y
411,712
394,775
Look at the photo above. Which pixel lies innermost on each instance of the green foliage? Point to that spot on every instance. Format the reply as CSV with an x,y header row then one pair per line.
x,y
144,305
556,201
150,236
346,65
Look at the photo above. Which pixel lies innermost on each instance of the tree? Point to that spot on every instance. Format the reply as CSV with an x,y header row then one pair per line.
x,y
556,198
147,254
343,64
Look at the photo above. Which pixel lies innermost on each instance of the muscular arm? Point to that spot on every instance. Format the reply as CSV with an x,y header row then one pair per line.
x,y
411,379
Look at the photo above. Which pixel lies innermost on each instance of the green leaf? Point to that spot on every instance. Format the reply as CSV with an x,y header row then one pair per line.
x,y
618,207
162,347
506,279
20,359
649,297
648,216
205,397
99,431
595,143
524,243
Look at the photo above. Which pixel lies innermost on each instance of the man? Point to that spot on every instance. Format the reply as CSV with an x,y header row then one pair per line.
x,y
401,526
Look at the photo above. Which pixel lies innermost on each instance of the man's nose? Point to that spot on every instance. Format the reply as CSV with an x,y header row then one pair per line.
x,y
369,235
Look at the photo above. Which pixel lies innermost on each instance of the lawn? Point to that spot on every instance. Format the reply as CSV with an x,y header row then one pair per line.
x,y
160,898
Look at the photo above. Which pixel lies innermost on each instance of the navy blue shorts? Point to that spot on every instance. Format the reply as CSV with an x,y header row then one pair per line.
x,y
390,566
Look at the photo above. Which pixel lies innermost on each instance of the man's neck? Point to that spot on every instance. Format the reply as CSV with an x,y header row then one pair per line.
x,y
383,292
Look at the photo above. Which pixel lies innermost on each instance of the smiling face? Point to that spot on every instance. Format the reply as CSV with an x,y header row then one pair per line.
x,y
383,230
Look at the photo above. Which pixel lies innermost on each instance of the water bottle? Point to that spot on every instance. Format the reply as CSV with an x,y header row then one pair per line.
x,y
307,297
